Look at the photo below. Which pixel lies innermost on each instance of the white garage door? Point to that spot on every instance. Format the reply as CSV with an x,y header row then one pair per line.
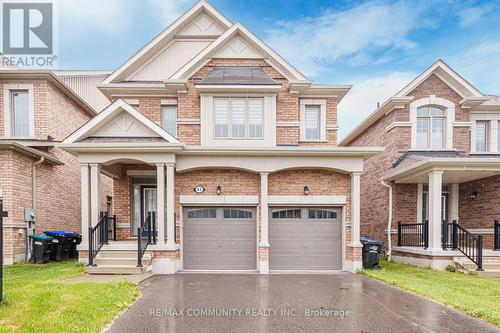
x,y
305,238
219,238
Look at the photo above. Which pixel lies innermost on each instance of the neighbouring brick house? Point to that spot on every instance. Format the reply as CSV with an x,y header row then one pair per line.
x,y
232,148
440,163
37,111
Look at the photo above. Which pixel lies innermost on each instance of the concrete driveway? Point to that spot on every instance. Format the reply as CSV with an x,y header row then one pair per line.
x,y
286,303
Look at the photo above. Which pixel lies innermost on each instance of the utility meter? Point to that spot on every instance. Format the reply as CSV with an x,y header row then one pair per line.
x,y
29,214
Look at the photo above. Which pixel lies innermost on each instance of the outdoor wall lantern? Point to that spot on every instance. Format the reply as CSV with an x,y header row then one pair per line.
x,y
472,195
218,189
306,190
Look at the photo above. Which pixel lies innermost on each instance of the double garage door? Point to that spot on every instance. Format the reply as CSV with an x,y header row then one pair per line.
x,y
225,238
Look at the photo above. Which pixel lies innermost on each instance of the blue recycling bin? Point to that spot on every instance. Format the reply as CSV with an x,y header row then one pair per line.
x,y
63,244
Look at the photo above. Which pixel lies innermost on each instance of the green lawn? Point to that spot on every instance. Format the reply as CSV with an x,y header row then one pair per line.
x,y
36,299
474,295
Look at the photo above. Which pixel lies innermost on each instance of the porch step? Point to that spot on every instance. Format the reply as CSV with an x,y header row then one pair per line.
x,y
491,266
119,262
116,269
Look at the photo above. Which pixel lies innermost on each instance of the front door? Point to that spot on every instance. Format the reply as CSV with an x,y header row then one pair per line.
x,y
444,206
144,201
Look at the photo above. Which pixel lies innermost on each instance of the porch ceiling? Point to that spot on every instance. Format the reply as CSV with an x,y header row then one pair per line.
x,y
455,170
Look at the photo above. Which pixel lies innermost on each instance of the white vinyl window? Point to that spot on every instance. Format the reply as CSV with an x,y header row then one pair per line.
x,y
312,122
238,117
170,119
20,124
498,137
431,122
481,136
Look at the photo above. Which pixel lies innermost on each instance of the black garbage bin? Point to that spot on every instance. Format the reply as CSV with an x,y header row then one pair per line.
x,y
75,240
372,249
40,248
61,245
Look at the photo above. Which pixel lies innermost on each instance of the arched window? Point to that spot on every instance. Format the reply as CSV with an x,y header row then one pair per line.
x,y
431,127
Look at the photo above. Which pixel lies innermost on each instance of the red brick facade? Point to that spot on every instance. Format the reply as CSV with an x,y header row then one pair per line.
x,y
474,214
57,189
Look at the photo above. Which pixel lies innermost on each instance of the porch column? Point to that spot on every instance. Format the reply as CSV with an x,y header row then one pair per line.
x,y
454,198
420,204
264,210
85,201
355,208
160,200
171,205
435,193
95,173
264,224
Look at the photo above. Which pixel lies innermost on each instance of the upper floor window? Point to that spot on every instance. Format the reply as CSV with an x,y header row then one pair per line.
x,y
498,136
482,139
431,124
312,119
312,122
238,118
170,119
18,110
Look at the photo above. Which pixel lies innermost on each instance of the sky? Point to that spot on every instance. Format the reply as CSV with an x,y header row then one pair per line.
x,y
376,46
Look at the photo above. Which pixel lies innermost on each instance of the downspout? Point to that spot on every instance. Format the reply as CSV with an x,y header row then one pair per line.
x,y
33,182
389,222
29,228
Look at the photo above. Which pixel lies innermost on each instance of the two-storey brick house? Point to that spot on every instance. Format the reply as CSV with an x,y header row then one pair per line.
x,y
37,111
440,163
232,148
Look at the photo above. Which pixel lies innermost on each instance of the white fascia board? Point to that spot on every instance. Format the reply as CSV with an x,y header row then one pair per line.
x,y
323,90
389,105
109,111
192,66
473,101
168,31
440,64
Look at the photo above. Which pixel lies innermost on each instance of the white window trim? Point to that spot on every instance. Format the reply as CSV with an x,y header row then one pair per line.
x,y
493,127
322,121
449,108
268,129
7,89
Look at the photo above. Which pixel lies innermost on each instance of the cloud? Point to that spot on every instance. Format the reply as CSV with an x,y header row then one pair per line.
x,y
358,35
107,16
169,10
481,65
470,15
362,100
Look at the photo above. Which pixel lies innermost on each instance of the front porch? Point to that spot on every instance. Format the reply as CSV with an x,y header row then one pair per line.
x,y
444,212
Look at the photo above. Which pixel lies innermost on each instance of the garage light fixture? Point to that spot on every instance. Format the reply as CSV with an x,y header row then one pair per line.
x,y
218,189
306,190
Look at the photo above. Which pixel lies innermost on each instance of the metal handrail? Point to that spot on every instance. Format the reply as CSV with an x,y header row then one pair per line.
x,y
146,235
496,242
98,236
413,234
2,215
469,244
